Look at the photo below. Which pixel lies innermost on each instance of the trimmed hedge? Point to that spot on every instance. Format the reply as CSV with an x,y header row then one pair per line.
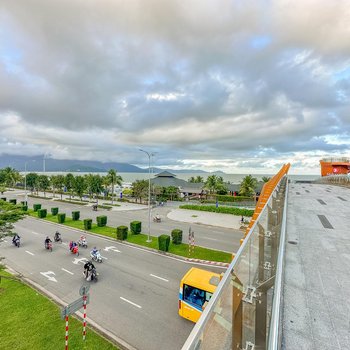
x,y
223,198
87,224
135,227
3,199
13,201
42,213
24,207
36,207
223,210
122,232
164,242
61,217
75,215
54,211
24,203
101,220
176,236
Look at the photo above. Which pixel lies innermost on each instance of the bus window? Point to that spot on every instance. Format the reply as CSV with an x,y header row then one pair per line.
x,y
194,295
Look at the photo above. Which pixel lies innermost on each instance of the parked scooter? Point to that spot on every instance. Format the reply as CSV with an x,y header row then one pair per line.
x,y
157,218
96,255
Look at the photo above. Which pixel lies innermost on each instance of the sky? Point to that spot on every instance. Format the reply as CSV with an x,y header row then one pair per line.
x,y
237,86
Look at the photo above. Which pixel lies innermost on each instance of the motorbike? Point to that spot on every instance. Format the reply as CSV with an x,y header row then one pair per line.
x,y
57,237
82,242
96,257
48,246
94,207
92,275
157,219
17,242
73,249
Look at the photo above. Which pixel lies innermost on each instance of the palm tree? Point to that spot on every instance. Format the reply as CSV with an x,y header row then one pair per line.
x,y
113,179
211,183
11,176
248,185
266,178
199,179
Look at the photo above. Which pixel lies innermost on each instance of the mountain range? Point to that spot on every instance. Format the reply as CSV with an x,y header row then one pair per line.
x,y
41,163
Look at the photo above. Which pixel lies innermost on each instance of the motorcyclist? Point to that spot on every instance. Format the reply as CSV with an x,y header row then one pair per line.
x,y
47,241
57,236
94,251
88,267
72,244
15,238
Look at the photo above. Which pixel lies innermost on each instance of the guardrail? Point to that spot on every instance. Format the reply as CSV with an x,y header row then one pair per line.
x,y
243,313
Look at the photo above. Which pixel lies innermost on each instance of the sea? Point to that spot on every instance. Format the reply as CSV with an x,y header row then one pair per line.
x,y
128,178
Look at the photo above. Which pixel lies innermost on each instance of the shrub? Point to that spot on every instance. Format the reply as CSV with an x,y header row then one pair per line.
x,y
163,242
135,227
3,199
75,215
36,207
223,198
122,232
13,201
24,203
25,207
54,211
87,224
101,220
42,213
223,210
61,217
176,236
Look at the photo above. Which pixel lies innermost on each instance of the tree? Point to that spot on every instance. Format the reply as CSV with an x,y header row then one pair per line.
x,y
79,186
69,183
43,183
172,192
32,181
113,179
140,189
198,179
211,183
248,186
57,182
266,178
94,184
10,176
9,214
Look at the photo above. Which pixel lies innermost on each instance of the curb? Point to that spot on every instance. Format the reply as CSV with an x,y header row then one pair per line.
x,y
109,336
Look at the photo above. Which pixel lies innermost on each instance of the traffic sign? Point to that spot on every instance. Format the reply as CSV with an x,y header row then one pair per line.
x,y
74,306
84,289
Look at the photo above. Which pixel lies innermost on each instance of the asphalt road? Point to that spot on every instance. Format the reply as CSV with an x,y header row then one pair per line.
x,y
136,297
213,237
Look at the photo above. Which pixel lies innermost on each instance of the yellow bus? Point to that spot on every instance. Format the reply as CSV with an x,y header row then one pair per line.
x,y
196,289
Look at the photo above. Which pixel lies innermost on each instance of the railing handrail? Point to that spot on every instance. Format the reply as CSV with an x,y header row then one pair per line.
x,y
204,319
273,340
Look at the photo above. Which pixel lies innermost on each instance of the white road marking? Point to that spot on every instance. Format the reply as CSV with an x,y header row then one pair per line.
x,y
67,271
103,257
113,248
36,233
5,241
46,274
77,261
130,302
211,239
161,278
64,243
29,252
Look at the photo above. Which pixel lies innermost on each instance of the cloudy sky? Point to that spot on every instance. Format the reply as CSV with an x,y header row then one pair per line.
x,y
238,86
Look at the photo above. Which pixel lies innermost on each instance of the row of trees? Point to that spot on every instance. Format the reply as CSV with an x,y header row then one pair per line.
x,y
78,185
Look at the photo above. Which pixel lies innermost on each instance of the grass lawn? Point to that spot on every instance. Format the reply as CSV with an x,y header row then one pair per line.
x,y
30,321
180,249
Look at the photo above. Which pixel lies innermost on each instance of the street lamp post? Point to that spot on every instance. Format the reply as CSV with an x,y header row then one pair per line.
x,y
25,183
149,195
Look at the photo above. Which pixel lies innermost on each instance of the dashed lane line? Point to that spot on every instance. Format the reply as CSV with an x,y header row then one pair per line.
x,y
30,253
211,239
36,233
160,278
71,273
130,302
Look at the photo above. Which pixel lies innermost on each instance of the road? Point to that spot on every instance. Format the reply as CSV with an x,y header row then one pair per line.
x,y
136,297
213,237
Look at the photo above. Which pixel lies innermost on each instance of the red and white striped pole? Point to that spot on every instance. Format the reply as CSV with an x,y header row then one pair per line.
x,y
66,347
84,323
192,241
